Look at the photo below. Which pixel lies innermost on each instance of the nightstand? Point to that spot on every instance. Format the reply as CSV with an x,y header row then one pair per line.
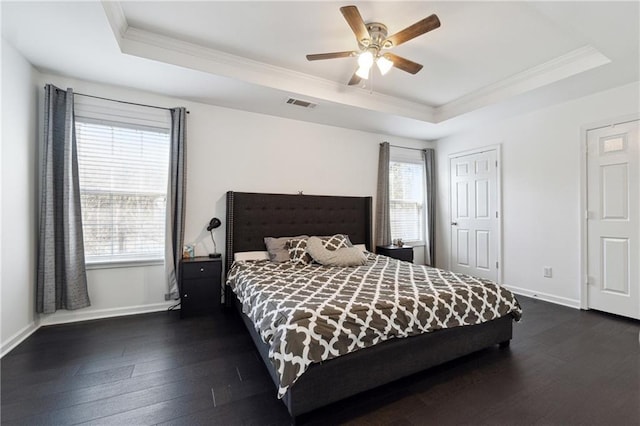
x,y
199,283
400,253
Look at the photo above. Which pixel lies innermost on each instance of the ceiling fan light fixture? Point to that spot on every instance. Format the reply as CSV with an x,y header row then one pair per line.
x,y
384,65
365,60
363,72
372,38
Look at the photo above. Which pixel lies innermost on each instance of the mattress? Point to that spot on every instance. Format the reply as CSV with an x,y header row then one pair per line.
x,y
312,313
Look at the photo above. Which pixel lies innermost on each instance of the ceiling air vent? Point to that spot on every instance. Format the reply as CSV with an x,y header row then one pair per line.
x,y
301,103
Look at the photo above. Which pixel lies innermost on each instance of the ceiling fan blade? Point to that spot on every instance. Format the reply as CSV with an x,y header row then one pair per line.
x,y
403,64
354,79
355,21
427,24
319,56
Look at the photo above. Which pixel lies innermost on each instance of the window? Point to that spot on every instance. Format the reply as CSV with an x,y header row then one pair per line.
x,y
406,197
123,170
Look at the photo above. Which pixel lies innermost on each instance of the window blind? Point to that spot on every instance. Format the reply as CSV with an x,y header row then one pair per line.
x,y
123,171
406,200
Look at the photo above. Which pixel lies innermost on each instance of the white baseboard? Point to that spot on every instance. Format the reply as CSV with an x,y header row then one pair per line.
x,y
18,338
571,303
65,317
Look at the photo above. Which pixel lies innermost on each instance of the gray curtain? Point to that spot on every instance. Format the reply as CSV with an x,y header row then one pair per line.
x,y
176,190
430,198
62,279
383,216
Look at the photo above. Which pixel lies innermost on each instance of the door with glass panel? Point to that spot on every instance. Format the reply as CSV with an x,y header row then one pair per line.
x,y
613,210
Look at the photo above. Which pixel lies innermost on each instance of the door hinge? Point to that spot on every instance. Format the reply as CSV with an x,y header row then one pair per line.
x,y
496,215
496,265
496,163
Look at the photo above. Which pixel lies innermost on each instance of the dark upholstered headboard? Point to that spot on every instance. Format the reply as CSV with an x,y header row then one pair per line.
x,y
253,216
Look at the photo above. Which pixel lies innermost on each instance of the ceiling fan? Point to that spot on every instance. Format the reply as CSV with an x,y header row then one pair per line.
x,y
372,40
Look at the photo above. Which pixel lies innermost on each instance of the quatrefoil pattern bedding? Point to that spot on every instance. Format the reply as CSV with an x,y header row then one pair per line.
x,y
312,313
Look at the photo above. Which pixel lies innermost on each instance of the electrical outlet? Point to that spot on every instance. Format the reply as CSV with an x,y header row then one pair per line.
x,y
548,272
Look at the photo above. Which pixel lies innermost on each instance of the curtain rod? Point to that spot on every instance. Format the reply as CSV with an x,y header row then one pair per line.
x,y
406,147
122,102
613,124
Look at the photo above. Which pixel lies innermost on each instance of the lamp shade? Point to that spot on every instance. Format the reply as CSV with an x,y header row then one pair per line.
x,y
214,223
365,60
384,65
363,73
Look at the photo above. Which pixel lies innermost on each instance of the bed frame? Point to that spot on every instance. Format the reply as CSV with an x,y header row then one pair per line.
x,y
253,216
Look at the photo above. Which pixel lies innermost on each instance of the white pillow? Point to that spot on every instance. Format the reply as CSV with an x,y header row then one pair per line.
x,y
362,247
251,255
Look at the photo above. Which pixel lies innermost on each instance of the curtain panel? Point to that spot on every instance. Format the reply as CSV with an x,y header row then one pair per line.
x,y
430,211
383,215
176,198
61,275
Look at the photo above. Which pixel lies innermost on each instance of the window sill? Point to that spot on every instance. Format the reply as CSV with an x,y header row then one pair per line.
x,y
124,264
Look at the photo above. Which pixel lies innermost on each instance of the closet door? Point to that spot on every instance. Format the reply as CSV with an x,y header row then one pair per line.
x,y
474,214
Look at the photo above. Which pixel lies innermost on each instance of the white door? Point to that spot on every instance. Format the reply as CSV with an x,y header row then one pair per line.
x,y
613,203
474,214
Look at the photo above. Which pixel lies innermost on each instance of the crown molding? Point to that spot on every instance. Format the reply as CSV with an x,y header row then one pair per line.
x,y
567,65
117,19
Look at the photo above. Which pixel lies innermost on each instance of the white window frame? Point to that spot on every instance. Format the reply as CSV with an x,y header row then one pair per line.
x,y
413,156
113,113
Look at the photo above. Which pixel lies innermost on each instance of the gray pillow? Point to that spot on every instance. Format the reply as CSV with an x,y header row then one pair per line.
x,y
277,249
344,256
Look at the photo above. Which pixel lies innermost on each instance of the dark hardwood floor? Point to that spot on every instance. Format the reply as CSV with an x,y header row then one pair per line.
x,y
564,367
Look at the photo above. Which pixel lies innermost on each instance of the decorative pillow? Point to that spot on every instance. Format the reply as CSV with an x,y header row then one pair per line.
x,y
345,256
277,247
298,247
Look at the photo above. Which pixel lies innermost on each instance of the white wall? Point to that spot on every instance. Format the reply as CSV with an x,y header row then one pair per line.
x,y
540,189
18,198
233,150
259,153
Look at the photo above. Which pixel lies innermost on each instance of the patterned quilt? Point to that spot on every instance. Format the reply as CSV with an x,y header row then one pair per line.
x,y
312,313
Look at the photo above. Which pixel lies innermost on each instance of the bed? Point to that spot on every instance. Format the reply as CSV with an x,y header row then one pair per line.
x,y
253,216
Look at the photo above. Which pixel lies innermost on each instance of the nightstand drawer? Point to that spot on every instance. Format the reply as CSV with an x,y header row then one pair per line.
x,y
200,270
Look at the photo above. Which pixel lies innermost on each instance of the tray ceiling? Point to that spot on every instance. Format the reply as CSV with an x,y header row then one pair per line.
x,y
486,61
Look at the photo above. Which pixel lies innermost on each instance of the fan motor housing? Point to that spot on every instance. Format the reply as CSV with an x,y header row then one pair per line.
x,y
378,34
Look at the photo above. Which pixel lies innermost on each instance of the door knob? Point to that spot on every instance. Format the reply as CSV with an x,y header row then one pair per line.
x,y
454,223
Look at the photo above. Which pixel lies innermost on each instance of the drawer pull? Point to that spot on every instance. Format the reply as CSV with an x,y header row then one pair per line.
x,y
201,269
